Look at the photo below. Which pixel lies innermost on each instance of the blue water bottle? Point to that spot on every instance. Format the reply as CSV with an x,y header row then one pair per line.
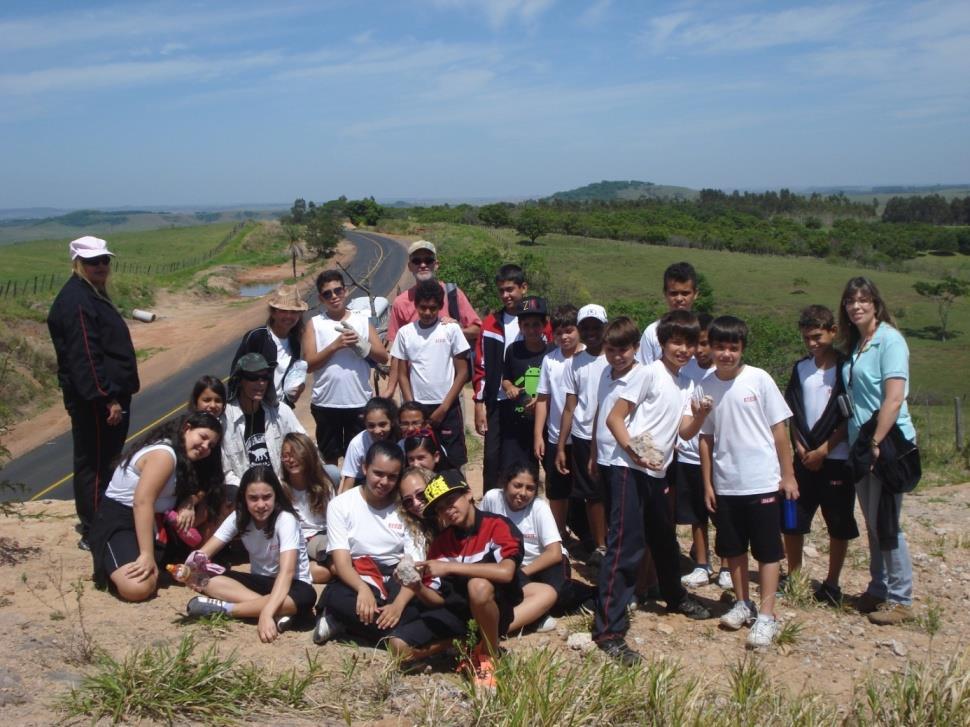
x,y
789,512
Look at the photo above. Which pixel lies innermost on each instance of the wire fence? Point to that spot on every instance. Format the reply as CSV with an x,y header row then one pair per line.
x,y
44,283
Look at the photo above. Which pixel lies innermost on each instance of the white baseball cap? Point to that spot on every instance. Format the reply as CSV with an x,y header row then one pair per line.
x,y
592,310
422,245
88,247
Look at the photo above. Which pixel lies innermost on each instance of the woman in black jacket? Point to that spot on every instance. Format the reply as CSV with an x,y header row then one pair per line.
x,y
97,372
279,341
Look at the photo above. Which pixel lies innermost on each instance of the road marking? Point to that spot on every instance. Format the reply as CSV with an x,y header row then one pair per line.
x,y
144,429
165,416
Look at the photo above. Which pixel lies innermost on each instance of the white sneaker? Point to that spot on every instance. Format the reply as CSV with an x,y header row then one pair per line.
x,y
763,632
724,580
697,577
741,614
326,629
547,624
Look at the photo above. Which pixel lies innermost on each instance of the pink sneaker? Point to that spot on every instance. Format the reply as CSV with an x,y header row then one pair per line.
x,y
191,537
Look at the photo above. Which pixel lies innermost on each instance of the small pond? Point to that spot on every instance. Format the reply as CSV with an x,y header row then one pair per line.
x,y
256,290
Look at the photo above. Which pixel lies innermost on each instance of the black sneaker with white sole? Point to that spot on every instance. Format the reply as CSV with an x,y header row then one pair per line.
x,y
327,628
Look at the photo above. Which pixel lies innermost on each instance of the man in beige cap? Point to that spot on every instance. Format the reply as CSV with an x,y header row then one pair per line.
x,y
423,264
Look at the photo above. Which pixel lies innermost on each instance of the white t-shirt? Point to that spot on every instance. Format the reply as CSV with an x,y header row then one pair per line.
x,y
431,353
343,382
264,553
510,330
353,464
745,410
582,377
608,390
355,526
283,357
551,374
689,452
121,489
661,399
650,349
535,522
311,523
817,386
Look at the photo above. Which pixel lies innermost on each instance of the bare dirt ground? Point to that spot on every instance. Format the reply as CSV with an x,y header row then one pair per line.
x,y
833,654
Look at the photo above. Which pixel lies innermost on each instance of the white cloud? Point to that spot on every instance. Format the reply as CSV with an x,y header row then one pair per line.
x,y
499,12
595,13
750,31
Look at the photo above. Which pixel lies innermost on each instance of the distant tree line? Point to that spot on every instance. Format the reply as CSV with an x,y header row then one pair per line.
x,y
775,223
931,209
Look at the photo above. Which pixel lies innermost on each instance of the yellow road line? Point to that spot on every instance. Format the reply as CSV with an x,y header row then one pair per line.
x,y
144,429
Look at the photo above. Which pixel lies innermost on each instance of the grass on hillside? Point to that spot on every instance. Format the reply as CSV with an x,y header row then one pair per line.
x,y
744,284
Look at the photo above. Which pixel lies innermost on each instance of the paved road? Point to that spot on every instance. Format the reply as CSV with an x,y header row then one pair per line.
x,y
45,472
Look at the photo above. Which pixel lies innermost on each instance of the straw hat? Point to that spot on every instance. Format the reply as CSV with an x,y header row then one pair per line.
x,y
288,297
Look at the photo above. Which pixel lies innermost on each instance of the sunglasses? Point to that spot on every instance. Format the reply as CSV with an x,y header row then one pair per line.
x,y
99,260
332,293
422,261
415,499
246,376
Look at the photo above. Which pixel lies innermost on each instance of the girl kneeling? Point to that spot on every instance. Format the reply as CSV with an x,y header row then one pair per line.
x,y
168,468
278,586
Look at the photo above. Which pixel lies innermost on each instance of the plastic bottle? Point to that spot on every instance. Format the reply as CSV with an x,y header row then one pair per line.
x,y
790,513
187,575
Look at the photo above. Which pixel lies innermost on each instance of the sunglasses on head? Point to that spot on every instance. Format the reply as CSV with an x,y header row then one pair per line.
x,y
99,260
332,293
419,261
415,499
247,376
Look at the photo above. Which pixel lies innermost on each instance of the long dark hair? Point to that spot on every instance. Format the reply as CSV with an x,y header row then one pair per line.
x,y
205,475
265,474
318,486
849,336
389,408
207,382
425,439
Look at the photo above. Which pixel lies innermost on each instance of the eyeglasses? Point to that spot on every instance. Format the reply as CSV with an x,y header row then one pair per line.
x,y
333,293
99,260
247,376
416,499
849,302
419,262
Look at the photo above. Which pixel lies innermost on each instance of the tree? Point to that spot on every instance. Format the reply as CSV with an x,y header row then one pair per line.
x,y
298,212
363,211
945,292
495,215
322,231
532,223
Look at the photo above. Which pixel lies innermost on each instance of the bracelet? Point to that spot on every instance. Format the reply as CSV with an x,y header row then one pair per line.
x,y
874,443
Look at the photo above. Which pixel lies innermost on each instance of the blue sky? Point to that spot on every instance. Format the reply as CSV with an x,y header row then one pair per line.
x,y
231,102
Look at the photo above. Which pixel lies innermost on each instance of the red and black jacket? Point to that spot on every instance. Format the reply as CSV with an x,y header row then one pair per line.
x,y
490,357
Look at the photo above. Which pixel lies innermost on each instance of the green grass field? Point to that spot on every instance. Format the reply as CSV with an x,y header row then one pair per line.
x,y
746,285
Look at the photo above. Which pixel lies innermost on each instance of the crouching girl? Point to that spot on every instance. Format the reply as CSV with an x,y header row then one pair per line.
x,y
278,586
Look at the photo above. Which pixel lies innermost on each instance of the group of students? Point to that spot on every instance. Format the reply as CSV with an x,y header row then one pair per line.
x,y
635,434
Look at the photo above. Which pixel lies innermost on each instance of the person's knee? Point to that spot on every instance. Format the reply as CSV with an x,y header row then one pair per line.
x,y
135,591
480,590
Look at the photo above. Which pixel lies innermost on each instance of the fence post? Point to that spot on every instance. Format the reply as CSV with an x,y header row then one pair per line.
x,y
958,422
35,285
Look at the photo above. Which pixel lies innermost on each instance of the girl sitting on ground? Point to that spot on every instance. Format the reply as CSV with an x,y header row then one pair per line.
x,y
278,586
310,490
380,423
543,564
171,466
413,483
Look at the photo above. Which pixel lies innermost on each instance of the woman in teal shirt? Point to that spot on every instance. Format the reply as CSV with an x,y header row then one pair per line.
x,y
876,378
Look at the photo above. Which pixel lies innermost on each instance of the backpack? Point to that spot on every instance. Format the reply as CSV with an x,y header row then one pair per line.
x,y
451,293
